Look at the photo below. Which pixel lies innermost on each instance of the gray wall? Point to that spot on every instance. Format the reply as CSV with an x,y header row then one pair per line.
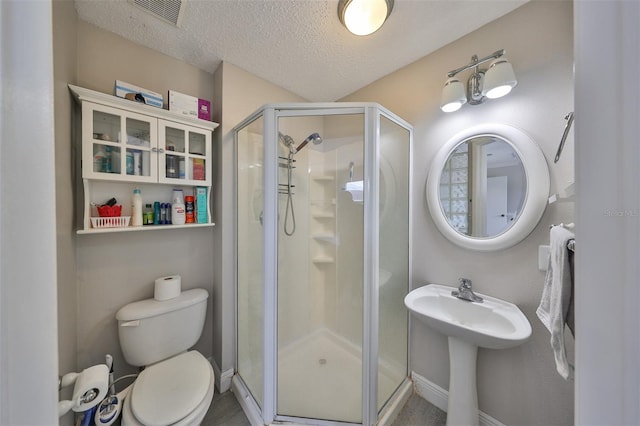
x,y
242,93
519,385
111,270
100,273
65,71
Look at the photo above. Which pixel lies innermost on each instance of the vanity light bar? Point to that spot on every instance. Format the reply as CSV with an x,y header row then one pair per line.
x,y
491,83
475,62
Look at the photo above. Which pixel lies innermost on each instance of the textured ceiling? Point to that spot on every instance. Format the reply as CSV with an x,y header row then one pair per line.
x,y
299,45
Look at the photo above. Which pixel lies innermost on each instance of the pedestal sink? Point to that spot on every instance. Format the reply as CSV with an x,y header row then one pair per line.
x,y
493,324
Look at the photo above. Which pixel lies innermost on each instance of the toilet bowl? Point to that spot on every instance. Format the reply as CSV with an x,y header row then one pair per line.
x,y
175,392
176,385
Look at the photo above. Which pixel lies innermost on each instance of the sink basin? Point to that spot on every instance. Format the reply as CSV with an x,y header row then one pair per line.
x,y
493,324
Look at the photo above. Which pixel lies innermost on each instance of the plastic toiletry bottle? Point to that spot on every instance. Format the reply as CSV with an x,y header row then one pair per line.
x,y
98,159
136,208
156,213
163,214
129,162
137,167
147,215
177,208
181,170
189,209
106,160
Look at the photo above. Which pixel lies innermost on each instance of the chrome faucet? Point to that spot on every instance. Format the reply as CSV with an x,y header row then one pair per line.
x,y
465,292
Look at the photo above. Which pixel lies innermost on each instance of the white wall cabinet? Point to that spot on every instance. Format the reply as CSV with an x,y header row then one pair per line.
x,y
127,144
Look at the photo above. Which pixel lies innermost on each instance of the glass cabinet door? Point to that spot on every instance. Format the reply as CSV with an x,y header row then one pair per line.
x,y
141,157
183,154
112,156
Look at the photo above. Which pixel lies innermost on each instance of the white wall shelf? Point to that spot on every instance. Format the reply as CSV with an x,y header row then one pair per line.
x,y
128,144
144,228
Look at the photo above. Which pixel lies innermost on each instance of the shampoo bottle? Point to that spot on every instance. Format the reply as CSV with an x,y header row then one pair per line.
x,y
177,208
136,208
98,159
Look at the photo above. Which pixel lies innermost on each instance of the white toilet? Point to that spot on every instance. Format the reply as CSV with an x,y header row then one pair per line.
x,y
176,386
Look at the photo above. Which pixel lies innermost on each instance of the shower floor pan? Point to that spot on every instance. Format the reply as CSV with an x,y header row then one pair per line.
x,y
320,377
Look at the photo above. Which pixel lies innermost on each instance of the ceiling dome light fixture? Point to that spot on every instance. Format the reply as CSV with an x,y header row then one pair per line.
x,y
492,83
363,17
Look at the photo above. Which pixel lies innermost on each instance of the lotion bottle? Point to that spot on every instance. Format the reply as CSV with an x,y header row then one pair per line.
x,y
177,208
136,208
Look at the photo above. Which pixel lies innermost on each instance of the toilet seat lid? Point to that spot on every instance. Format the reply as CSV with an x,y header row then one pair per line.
x,y
168,391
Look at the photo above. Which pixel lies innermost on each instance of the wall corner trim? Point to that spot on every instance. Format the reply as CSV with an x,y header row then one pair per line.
x,y
440,397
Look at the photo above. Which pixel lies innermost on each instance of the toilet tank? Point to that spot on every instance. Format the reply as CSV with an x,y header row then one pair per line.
x,y
152,330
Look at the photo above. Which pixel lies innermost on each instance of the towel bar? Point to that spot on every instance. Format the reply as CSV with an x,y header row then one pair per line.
x,y
571,244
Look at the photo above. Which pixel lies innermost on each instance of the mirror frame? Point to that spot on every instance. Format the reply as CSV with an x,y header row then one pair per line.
x,y
535,200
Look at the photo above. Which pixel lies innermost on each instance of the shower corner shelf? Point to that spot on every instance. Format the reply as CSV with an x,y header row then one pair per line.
x,y
323,215
321,203
323,178
323,260
326,238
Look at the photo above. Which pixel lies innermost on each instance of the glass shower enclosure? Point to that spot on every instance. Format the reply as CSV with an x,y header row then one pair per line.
x,y
323,263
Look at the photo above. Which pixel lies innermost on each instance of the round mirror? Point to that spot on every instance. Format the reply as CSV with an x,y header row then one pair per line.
x,y
488,187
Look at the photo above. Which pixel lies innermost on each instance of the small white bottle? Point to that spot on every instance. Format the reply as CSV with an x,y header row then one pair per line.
x,y
98,159
178,216
136,208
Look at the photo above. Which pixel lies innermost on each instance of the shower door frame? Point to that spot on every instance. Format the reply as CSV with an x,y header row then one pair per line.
x,y
371,216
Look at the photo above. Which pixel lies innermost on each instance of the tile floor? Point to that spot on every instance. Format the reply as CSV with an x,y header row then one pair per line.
x,y
226,411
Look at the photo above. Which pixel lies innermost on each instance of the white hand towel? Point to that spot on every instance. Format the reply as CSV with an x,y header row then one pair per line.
x,y
556,296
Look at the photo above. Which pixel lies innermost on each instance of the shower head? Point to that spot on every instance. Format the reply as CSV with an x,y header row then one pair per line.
x,y
313,137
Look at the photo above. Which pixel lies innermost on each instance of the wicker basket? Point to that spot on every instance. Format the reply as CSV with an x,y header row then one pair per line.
x,y
110,222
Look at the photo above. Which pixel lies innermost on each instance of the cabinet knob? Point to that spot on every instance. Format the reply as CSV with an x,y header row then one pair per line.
x,y
161,150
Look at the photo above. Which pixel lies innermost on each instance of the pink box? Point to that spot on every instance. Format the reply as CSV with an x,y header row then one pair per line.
x,y
189,105
204,109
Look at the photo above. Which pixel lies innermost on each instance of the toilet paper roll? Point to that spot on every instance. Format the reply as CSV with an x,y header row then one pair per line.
x,y
91,387
167,287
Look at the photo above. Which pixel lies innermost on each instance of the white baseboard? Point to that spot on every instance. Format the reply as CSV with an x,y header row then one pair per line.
x,y
223,378
440,398
430,391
